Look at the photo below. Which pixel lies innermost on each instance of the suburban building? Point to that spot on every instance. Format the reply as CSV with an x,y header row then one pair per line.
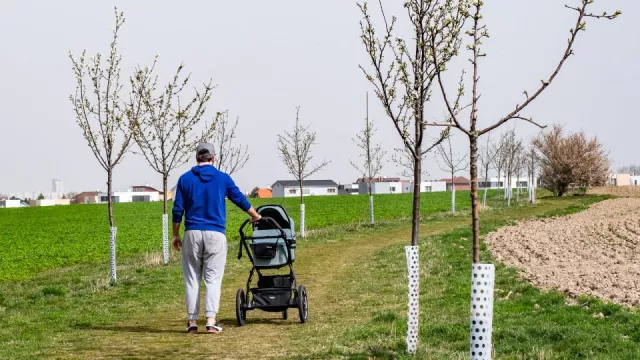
x,y
134,194
460,182
425,186
495,183
378,179
624,179
86,197
11,203
50,202
382,187
291,188
264,193
348,189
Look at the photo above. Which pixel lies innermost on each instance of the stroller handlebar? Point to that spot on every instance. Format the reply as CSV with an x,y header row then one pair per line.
x,y
270,220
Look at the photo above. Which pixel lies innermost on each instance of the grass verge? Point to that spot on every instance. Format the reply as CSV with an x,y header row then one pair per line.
x,y
356,279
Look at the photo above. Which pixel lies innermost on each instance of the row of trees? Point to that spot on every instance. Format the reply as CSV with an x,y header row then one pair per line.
x,y
153,122
404,71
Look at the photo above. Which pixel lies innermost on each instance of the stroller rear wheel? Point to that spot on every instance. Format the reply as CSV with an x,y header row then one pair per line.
x,y
284,315
303,306
241,312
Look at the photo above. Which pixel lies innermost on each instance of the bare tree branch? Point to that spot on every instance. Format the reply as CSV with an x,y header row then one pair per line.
x,y
229,158
295,152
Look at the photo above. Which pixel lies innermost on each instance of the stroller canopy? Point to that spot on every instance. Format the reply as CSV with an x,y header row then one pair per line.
x,y
279,215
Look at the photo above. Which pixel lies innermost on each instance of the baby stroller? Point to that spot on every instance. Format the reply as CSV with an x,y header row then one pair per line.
x,y
271,246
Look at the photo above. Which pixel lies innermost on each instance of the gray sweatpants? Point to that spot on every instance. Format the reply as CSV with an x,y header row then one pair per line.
x,y
203,251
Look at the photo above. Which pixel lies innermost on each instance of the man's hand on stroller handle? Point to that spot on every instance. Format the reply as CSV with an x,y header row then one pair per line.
x,y
255,217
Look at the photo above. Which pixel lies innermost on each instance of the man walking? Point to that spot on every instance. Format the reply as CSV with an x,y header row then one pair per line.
x,y
200,197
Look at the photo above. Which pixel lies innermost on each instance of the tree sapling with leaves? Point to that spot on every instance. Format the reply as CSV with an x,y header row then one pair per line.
x,y
103,116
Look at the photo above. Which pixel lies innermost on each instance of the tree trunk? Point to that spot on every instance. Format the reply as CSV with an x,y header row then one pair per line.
x,y
109,194
473,154
415,222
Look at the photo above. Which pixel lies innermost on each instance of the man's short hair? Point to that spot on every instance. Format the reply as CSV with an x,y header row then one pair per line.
x,y
204,152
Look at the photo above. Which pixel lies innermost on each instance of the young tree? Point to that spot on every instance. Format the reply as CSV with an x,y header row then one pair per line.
x,y
571,161
501,162
488,155
41,196
295,152
512,150
373,157
521,162
103,119
477,33
452,163
165,130
403,86
229,158
532,162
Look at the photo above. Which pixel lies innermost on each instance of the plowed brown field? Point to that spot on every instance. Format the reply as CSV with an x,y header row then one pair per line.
x,y
594,252
619,191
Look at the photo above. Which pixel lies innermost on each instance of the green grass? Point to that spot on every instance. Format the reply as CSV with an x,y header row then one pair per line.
x,y
356,278
528,323
45,238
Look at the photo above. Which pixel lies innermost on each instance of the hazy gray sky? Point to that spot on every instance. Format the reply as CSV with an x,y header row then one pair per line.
x,y
269,56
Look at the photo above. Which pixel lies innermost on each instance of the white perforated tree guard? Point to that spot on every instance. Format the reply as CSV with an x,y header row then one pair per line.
x,y
371,209
301,220
482,283
413,271
165,237
112,252
453,197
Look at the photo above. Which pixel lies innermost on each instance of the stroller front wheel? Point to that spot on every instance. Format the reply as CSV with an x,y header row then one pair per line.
x,y
284,315
303,305
241,312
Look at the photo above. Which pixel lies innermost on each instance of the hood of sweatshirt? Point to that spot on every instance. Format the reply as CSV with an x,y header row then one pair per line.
x,y
204,172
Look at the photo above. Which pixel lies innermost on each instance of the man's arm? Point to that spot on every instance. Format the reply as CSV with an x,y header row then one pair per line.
x,y
237,197
177,212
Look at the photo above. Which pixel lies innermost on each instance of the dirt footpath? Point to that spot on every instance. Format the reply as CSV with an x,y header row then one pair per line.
x,y
595,252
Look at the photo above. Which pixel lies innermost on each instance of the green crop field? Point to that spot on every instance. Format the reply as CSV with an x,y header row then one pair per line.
x,y
42,238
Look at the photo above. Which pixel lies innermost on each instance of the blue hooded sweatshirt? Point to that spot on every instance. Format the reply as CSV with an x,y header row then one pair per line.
x,y
200,197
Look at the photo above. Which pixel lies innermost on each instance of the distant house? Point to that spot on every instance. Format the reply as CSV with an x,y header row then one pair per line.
x,y
6,203
381,187
425,186
460,182
495,183
86,197
264,193
291,188
348,189
378,179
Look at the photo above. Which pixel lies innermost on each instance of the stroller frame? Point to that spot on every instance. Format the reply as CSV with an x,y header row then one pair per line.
x,y
274,293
